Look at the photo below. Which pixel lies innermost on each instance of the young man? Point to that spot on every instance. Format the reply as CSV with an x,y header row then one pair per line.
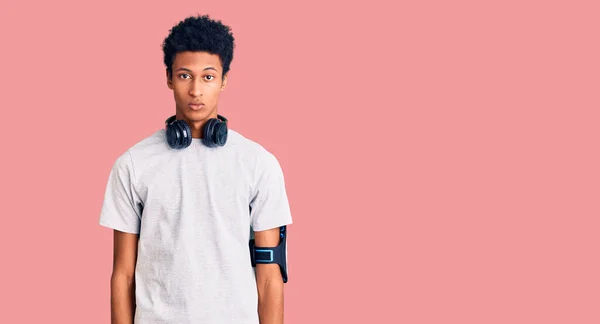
x,y
185,201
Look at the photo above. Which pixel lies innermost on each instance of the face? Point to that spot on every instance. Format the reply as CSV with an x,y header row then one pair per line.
x,y
196,83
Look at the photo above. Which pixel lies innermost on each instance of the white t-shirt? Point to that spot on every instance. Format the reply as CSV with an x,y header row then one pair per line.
x,y
195,209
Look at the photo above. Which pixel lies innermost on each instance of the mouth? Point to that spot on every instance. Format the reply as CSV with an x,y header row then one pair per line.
x,y
196,106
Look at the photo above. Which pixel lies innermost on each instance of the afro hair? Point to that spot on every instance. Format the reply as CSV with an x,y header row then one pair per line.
x,y
199,33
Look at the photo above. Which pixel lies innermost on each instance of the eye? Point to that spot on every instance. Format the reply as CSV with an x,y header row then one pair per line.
x,y
210,76
183,74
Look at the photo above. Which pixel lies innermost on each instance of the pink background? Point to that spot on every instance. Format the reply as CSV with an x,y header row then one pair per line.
x,y
445,153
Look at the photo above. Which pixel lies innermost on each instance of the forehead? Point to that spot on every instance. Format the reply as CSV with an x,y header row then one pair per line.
x,y
196,61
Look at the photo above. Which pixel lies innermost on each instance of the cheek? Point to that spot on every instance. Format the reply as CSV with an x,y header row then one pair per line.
x,y
179,93
215,91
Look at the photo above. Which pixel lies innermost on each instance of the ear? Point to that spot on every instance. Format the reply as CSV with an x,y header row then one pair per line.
x,y
169,82
224,83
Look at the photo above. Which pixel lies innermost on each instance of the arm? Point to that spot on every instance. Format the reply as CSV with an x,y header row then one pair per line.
x,y
269,282
122,281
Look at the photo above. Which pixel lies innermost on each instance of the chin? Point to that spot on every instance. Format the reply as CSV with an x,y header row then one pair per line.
x,y
196,115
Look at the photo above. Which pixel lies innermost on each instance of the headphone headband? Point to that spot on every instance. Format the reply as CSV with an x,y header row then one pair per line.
x,y
179,134
171,119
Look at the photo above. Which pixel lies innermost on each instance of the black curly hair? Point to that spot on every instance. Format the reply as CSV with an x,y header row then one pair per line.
x,y
199,33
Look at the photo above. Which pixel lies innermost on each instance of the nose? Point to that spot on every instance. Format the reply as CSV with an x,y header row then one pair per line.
x,y
196,88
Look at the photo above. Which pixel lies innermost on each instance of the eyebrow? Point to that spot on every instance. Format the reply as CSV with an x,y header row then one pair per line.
x,y
188,70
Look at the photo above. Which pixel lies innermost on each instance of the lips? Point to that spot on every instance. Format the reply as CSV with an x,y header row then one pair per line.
x,y
196,106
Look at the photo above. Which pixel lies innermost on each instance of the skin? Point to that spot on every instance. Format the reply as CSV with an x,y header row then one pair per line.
x,y
269,281
122,281
197,77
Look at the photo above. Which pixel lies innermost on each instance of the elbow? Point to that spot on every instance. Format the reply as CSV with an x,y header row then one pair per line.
x,y
269,285
122,278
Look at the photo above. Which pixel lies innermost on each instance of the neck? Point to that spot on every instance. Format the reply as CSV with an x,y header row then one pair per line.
x,y
196,125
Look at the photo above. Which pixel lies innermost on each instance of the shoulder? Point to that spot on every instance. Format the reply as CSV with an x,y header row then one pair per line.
x,y
254,151
148,145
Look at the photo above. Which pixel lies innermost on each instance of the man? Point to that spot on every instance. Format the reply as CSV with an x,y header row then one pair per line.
x,y
185,201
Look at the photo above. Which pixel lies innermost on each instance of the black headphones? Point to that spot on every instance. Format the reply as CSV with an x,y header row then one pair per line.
x,y
179,134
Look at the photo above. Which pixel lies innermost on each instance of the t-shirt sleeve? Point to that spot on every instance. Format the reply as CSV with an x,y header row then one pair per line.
x,y
269,207
121,208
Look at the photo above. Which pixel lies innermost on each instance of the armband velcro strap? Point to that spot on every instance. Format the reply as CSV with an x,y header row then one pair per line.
x,y
275,254
263,255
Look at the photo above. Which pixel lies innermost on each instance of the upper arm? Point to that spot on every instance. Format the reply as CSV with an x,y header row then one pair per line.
x,y
124,253
122,206
269,210
269,205
267,271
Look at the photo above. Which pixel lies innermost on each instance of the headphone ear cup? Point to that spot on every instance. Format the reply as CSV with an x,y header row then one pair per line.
x,y
215,133
172,136
179,134
209,129
187,134
221,134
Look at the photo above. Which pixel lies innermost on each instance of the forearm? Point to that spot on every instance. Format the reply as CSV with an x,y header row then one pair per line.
x,y
270,302
122,298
